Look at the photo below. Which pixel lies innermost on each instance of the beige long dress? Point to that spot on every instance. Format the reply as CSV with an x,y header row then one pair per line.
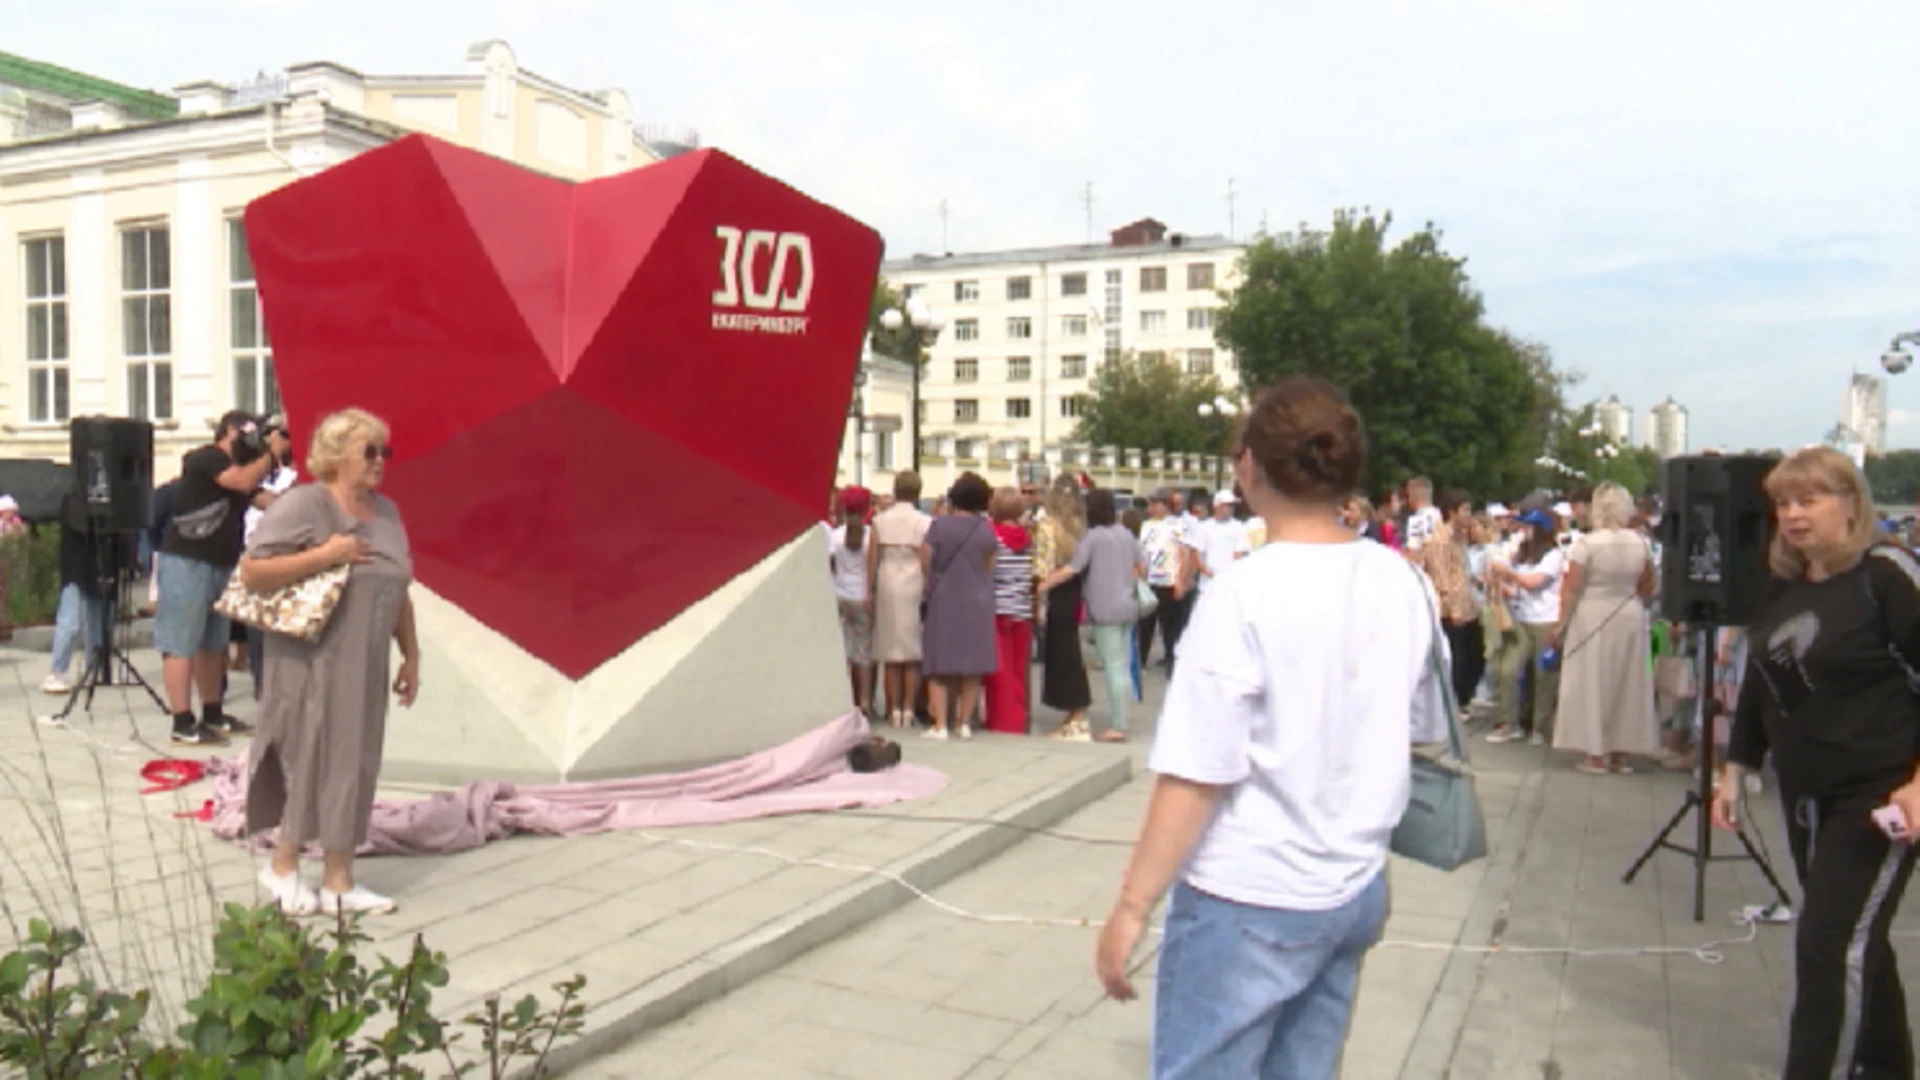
x,y
899,586
1606,671
323,718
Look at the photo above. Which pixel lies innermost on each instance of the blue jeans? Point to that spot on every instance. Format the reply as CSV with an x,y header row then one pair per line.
x,y
184,623
1259,992
77,614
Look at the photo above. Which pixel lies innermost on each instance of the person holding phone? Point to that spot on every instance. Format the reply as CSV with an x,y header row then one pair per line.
x,y
1829,693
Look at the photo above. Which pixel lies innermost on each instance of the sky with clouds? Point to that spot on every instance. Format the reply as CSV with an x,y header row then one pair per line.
x,y
1713,199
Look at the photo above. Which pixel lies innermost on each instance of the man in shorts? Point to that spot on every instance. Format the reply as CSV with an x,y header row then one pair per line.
x,y
197,556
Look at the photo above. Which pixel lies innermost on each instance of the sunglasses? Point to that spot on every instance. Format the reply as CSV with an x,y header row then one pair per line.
x,y
379,453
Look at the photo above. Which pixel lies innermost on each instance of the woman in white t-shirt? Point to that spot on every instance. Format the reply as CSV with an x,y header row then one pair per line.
x,y
1282,753
847,553
1531,585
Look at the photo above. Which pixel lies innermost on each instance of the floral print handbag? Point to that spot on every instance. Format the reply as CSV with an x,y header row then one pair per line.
x,y
299,610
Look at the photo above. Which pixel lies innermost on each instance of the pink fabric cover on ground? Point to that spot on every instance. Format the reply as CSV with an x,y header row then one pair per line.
x,y
807,773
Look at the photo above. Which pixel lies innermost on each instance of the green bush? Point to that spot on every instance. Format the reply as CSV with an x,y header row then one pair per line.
x,y
282,1003
31,563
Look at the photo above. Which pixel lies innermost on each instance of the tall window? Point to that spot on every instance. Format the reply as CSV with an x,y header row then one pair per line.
x,y
1019,368
1111,317
1073,326
1019,328
1200,276
1152,322
1199,318
254,387
1070,406
46,276
1199,361
1073,367
966,371
1019,288
1153,279
146,321
966,290
966,329
1019,408
1073,284
966,410
883,450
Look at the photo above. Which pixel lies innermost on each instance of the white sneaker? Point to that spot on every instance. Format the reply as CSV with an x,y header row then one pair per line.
x,y
938,733
54,684
290,893
1536,739
966,731
1073,732
358,899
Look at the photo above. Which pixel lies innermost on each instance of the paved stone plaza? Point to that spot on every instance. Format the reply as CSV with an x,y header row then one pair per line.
x,y
723,964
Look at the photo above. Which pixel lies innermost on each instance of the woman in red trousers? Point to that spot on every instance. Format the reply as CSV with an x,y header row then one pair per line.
x,y
1006,688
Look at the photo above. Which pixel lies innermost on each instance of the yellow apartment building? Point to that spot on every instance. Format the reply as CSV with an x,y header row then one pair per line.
x,y
125,288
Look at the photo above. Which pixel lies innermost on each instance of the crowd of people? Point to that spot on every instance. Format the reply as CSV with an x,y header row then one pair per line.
x,y
1547,607
1303,625
961,597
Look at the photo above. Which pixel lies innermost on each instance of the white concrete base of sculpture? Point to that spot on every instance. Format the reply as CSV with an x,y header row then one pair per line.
x,y
752,665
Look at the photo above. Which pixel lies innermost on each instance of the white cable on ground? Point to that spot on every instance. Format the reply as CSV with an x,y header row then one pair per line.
x,y
1710,952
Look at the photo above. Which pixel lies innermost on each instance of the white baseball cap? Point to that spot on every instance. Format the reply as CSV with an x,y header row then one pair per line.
x,y
1225,497
1498,510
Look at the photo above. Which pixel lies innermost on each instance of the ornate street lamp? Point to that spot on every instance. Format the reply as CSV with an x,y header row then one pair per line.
x,y
1226,410
926,324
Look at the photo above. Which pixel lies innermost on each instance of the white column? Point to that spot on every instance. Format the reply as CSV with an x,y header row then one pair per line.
x,y
195,303
91,293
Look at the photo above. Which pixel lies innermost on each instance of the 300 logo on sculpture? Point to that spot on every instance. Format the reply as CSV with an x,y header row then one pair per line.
x,y
754,267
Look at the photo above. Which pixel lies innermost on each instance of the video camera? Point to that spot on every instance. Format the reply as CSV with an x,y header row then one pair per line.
x,y
250,436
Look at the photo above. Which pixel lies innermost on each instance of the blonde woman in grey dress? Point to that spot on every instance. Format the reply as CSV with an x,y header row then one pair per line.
x,y
316,757
1606,674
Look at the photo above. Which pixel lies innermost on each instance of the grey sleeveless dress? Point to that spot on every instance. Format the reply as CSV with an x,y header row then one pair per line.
x,y
316,757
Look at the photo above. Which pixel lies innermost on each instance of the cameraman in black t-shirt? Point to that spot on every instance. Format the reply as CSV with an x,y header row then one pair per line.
x,y
197,556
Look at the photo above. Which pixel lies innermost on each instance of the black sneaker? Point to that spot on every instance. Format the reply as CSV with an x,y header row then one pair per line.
x,y
199,735
228,725
215,719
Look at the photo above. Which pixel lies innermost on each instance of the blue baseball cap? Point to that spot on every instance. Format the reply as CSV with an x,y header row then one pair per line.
x,y
1539,519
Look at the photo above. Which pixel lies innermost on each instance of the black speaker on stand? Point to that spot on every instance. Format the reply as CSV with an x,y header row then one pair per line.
x,y
112,503
1717,523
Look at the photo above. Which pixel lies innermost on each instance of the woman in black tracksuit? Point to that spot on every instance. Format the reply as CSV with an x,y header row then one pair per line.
x,y
1828,693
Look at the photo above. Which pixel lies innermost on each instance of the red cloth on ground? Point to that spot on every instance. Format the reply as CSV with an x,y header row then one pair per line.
x,y
1006,688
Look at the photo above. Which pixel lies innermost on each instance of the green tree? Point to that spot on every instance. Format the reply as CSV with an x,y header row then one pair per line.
x,y
1401,329
1894,477
1148,402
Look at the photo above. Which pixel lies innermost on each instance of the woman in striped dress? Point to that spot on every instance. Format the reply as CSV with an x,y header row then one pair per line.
x,y
1006,688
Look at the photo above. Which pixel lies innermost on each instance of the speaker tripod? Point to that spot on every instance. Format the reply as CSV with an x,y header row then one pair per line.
x,y
1698,802
110,577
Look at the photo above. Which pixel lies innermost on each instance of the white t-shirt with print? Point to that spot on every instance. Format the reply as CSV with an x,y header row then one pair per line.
x,y
1420,525
1541,606
1160,549
1304,712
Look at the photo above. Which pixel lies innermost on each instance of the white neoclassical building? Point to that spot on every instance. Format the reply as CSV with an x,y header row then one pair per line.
x,y
126,288
1026,330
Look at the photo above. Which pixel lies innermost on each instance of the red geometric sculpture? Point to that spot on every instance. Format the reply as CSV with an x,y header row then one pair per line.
x,y
607,399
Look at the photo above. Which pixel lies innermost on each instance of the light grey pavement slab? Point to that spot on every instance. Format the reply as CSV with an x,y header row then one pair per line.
x,y
657,925
923,993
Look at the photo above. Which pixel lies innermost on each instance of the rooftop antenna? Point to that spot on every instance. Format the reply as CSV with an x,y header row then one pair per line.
x,y
1231,198
1086,197
946,248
